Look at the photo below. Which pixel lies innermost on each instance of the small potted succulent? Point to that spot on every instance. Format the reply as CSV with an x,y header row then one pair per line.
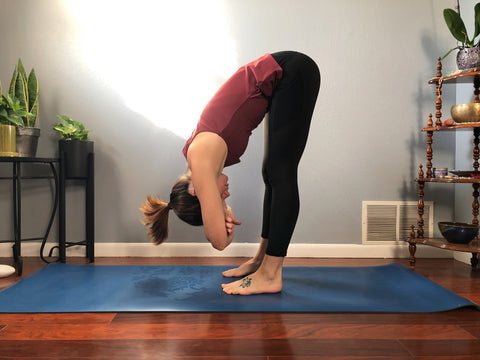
x,y
11,116
75,146
468,56
25,89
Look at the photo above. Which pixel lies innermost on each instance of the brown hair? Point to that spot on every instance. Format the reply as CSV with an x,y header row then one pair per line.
x,y
185,205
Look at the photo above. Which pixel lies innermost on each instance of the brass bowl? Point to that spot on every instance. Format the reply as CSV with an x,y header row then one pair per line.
x,y
466,113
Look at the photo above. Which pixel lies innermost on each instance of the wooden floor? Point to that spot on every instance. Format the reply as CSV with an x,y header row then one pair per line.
x,y
253,336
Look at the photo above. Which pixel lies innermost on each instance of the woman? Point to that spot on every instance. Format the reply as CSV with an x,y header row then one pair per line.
x,y
284,84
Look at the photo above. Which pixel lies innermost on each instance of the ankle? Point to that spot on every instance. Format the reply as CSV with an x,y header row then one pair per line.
x,y
271,266
257,260
260,255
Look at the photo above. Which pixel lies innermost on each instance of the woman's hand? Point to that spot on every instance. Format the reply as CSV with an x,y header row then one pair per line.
x,y
230,220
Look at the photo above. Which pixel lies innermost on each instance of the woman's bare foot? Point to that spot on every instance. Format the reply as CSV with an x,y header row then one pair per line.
x,y
267,279
253,284
246,268
251,265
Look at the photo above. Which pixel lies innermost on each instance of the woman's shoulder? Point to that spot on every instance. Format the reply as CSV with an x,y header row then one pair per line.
x,y
207,148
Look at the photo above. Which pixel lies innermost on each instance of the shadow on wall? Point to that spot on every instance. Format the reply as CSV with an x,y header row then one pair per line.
x,y
424,102
443,156
133,156
443,144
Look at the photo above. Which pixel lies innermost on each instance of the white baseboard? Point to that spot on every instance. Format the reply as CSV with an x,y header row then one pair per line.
x,y
463,257
236,250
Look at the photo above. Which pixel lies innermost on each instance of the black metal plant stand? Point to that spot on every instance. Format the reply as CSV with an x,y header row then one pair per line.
x,y
60,179
88,181
17,178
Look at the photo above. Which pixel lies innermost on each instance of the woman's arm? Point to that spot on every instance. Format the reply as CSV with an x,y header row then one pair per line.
x,y
206,157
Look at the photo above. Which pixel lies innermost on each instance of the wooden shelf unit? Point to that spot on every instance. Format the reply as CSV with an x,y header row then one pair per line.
x,y
417,232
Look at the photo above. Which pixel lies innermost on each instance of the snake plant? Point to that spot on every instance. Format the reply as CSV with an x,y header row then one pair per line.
x,y
25,89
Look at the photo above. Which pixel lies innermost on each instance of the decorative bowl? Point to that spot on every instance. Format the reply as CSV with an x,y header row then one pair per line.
x,y
466,112
466,173
458,233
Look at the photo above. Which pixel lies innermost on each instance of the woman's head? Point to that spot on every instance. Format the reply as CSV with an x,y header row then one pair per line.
x,y
183,203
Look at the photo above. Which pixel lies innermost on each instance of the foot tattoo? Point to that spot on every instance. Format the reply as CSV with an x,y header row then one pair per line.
x,y
246,282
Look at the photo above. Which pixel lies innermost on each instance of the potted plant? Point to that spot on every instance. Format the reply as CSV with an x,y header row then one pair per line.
x,y
469,55
11,115
25,89
75,147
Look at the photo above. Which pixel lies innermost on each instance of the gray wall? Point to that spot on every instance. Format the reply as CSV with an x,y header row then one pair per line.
x,y
98,60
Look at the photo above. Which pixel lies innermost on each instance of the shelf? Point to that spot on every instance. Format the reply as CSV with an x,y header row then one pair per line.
x,y
471,77
457,78
452,127
472,247
21,159
449,180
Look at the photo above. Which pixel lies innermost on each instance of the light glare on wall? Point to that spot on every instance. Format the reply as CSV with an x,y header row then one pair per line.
x,y
164,58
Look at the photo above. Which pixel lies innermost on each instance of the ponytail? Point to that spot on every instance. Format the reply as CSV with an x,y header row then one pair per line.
x,y
185,205
156,219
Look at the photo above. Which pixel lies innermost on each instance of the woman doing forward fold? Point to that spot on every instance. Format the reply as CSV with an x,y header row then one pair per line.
x,y
285,85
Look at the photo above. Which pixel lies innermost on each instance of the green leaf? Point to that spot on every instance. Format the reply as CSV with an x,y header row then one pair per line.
x,y
79,126
14,118
10,101
21,69
477,20
448,53
14,103
32,120
21,90
23,113
456,26
58,127
65,130
32,86
65,119
17,120
11,85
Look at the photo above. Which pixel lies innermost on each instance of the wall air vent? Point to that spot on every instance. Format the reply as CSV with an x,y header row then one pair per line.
x,y
387,222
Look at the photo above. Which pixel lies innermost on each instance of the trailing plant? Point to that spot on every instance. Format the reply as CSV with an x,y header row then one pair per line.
x,y
459,31
11,110
71,129
25,89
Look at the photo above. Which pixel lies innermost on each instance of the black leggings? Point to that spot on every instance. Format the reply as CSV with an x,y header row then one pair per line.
x,y
286,132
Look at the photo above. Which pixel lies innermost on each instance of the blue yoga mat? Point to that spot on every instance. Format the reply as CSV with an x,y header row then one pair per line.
x,y
61,288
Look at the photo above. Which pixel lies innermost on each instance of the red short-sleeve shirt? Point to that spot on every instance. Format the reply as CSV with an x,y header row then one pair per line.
x,y
239,106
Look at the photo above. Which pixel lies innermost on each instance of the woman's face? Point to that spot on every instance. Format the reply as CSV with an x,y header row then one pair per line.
x,y
223,186
222,183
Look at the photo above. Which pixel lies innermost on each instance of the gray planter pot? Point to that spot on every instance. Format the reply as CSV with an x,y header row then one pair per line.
x,y
27,141
468,58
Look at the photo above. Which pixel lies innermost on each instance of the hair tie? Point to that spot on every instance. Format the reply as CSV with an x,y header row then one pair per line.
x,y
169,206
